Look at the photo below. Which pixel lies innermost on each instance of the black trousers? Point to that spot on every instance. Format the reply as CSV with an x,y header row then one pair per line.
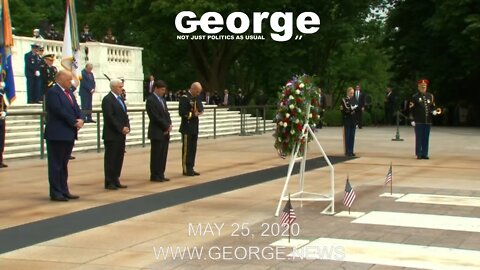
x,y
113,161
358,114
158,158
189,151
31,89
86,100
58,153
422,137
2,139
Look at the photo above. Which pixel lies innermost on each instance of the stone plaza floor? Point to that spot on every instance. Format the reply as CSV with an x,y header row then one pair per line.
x,y
433,224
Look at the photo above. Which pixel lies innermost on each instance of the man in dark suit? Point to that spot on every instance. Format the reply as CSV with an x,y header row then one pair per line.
x,y
359,100
3,115
87,88
116,126
159,130
64,119
32,73
189,109
349,122
322,102
389,106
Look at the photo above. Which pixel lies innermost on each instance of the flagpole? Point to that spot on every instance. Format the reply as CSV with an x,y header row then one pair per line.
x,y
288,224
391,181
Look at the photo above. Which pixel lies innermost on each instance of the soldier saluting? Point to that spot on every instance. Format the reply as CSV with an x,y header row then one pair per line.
x,y
422,107
48,73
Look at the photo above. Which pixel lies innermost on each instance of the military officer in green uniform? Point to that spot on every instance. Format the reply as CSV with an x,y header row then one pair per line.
x,y
189,109
422,107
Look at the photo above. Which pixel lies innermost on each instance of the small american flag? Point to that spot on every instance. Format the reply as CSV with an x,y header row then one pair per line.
x,y
389,176
288,215
349,195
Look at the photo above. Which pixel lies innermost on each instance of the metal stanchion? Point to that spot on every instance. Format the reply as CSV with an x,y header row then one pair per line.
x,y
214,123
256,121
397,135
264,119
42,144
242,122
98,132
143,128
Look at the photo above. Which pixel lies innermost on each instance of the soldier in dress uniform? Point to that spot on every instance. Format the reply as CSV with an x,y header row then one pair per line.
x,y
48,72
348,107
189,109
32,73
3,115
422,107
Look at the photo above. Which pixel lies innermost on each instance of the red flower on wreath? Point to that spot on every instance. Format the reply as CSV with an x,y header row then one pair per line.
x,y
299,127
299,100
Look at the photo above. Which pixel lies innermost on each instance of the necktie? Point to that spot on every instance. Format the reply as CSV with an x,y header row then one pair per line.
x,y
121,103
163,103
68,96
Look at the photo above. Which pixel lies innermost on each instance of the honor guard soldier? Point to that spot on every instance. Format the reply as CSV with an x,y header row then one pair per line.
x,y
422,107
189,109
349,122
48,73
32,73
3,115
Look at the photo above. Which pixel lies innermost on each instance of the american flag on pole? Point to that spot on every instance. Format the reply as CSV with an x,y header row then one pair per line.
x,y
349,195
389,176
71,44
288,215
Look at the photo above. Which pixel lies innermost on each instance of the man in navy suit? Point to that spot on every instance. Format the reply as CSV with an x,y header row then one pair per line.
x,y
159,130
64,119
359,100
87,88
116,126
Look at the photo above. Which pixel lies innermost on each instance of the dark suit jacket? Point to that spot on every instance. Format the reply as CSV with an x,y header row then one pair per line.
x,y
87,83
361,100
159,119
61,115
114,119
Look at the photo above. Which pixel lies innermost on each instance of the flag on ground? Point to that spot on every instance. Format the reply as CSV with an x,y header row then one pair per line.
x,y
288,215
6,43
71,44
389,176
349,195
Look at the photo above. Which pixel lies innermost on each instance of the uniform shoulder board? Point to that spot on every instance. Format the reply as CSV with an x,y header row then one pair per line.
x,y
184,96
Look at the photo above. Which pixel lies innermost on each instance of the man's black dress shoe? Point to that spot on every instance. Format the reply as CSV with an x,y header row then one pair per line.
x,y
156,179
59,199
3,165
71,157
71,196
189,174
121,186
425,157
111,187
196,173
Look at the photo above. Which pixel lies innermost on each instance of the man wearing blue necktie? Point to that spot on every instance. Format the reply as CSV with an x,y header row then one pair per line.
x,y
159,130
116,126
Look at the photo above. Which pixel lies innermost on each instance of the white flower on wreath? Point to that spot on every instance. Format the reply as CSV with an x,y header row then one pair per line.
x,y
285,124
292,131
291,97
299,110
280,123
291,106
279,139
297,92
297,121
287,115
310,115
301,85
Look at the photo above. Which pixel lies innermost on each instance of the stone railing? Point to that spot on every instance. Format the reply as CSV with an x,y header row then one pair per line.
x,y
113,60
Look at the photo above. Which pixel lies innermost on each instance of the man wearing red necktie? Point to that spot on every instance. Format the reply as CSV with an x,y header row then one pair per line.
x,y
64,119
